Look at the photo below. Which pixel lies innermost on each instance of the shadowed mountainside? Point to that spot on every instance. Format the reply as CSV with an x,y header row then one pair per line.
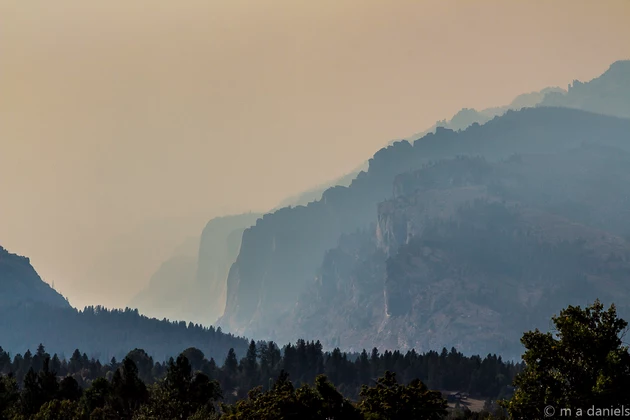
x,y
471,254
282,252
20,283
607,94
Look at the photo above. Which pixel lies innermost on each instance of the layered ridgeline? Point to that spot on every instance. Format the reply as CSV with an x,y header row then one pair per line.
x,y
174,289
460,121
468,116
607,94
31,312
471,254
191,285
172,285
283,251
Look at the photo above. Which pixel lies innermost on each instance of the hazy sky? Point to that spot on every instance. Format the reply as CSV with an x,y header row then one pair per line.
x,y
120,116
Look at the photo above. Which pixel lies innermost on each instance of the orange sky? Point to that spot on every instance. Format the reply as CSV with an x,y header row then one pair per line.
x,y
121,112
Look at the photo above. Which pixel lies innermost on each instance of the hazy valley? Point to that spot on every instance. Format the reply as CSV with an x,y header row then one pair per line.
x,y
163,257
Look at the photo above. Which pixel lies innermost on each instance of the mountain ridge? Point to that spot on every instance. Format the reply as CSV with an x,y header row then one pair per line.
x,y
274,263
19,282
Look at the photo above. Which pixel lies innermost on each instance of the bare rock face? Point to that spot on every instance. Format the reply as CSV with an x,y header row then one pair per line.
x,y
191,285
20,283
471,253
280,256
219,247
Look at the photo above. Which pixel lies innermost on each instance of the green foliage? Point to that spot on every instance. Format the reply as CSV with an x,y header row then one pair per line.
x,y
389,400
59,410
283,401
324,387
582,365
128,391
9,396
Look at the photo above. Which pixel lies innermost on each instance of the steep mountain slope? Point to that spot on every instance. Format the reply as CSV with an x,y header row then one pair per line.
x,y
103,333
191,284
20,283
219,247
31,313
471,254
315,194
607,94
283,251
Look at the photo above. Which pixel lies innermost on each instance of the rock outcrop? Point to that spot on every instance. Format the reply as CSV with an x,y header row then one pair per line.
x,y
471,253
280,255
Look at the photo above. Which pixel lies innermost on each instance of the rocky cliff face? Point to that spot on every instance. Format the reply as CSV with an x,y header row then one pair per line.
x,y
219,247
607,94
280,255
20,283
469,254
191,284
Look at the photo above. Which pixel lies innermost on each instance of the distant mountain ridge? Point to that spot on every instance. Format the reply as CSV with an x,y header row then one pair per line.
x,y
248,305
460,121
607,94
31,312
20,283
470,254
282,252
191,284
469,116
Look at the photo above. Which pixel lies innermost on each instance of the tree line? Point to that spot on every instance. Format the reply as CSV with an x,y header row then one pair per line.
x,y
34,380
488,377
23,326
581,365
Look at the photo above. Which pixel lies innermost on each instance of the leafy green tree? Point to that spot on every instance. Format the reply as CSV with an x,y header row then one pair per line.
x,y
97,395
332,405
181,394
231,363
580,365
195,357
31,397
47,382
9,396
69,389
128,391
283,401
389,400
59,410
143,362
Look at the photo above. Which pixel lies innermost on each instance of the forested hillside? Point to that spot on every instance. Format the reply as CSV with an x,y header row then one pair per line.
x,y
93,384
104,333
303,382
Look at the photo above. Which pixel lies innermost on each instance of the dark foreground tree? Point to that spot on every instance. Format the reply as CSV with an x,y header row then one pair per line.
x,y
389,400
181,394
583,364
283,401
